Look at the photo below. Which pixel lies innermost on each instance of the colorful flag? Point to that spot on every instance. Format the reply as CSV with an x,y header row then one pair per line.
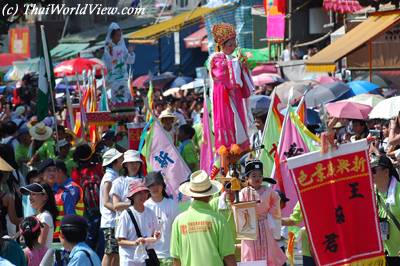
x,y
337,199
46,75
302,110
296,140
150,102
206,147
162,155
272,131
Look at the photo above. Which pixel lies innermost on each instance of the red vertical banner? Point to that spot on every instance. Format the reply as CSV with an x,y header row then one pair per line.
x,y
19,41
134,133
336,195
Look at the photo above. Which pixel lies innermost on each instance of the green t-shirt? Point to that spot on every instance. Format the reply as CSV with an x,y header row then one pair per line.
x,y
392,245
201,236
297,217
47,150
198,136
21,153
227,213
190,155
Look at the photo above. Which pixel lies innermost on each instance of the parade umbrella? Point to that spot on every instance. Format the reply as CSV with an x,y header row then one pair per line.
x,y
314,76
349,110
161,81
180,81
197,83
386,109
299,88
7,59
366,98
259,104
77,66
171,91
361,86
376,79
312,116
139,82
267,78
326,79
325,93
264,69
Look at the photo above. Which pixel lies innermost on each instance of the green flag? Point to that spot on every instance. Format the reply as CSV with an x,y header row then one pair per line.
x,y
45,71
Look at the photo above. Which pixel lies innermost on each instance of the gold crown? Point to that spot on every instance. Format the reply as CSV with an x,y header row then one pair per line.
x,y
223,32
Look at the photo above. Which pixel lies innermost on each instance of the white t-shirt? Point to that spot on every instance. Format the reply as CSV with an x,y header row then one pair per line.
x,y
45,218
165,211
147,222
120,188
107,216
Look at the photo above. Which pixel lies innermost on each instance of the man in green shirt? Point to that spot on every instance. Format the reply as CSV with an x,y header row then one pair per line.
x,y
201,236
187,148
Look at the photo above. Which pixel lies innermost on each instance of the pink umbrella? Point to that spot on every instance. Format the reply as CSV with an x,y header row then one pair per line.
x,y
326,79
269,68
349,110
267,78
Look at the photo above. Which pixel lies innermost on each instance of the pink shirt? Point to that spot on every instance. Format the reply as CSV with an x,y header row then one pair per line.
x,y
35,256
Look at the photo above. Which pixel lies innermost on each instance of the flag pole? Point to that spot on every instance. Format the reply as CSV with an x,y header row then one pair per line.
x,y
47,62
69,104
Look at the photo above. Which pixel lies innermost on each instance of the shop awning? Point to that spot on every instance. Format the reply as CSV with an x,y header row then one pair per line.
x,y
194,40
152,33
67,50
325,60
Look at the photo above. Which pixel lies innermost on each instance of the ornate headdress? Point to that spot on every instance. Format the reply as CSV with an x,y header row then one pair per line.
x,y
223,32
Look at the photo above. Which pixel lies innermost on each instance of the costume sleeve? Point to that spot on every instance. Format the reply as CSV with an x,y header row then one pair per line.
x,y
275,215
130,58
237,72
220,70
107,58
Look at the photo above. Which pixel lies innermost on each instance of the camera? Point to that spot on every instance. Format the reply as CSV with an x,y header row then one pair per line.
x,y
375,133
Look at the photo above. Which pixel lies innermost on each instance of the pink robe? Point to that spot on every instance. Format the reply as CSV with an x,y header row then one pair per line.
x,y
265,247
232,85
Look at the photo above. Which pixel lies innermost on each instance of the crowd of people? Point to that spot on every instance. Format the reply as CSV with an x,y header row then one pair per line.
x,y
71,201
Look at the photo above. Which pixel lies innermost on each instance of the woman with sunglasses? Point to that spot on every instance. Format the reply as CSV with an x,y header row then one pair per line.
x,y
387,186
43,201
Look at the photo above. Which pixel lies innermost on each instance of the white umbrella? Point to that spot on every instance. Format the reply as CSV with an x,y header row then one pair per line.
x,y
197,83
366,98
171,91
386,109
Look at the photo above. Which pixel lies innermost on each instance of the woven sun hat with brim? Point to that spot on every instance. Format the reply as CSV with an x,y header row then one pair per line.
x,y
135,187
131,156
40,132
200,185
110,156
166,114
4,166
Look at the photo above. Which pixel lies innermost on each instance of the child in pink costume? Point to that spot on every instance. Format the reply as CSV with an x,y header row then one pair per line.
x,y
265,247
231,87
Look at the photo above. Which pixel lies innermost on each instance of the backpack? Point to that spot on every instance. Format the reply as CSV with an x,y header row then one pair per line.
x,y
90,184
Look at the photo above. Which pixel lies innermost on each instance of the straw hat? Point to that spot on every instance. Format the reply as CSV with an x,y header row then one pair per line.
x,y
131,156
110,156
166,114
135,187
200,185
4,166
40,132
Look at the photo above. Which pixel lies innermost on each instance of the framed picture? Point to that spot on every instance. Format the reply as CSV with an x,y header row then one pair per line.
x,y
245,220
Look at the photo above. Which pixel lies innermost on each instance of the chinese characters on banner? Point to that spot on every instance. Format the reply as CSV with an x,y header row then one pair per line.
x,y
336,195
